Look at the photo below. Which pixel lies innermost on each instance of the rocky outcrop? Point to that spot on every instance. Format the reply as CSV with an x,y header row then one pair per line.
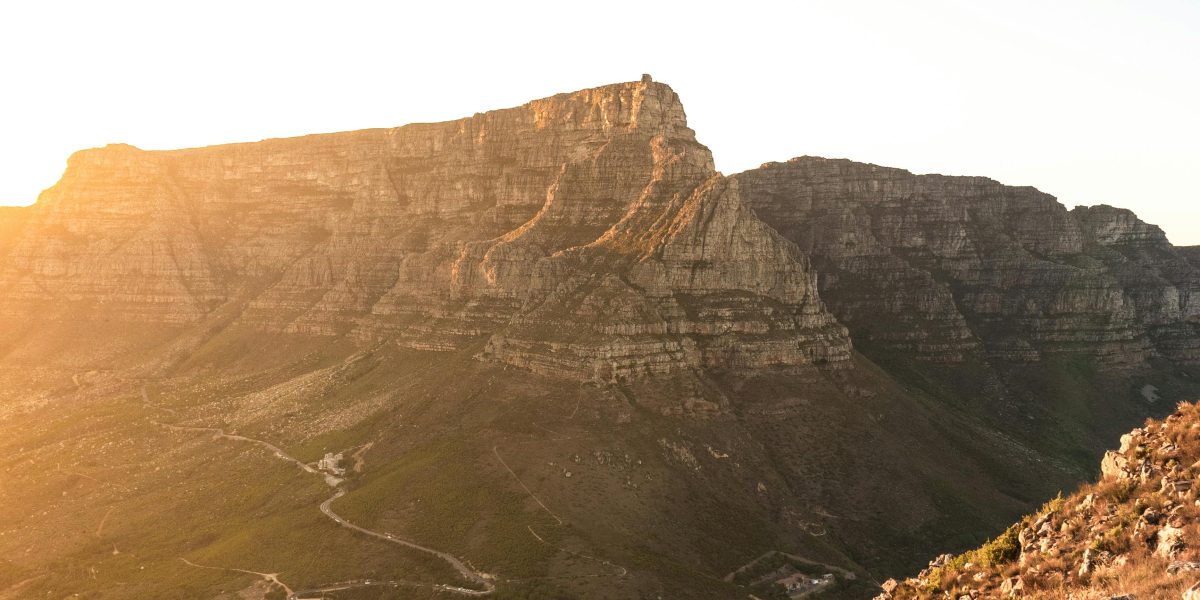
x,y
1134,532
941,267
585,235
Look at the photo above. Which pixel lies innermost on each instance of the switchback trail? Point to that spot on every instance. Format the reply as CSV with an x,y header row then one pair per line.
x,y
387,537
496,451
325,507
271,577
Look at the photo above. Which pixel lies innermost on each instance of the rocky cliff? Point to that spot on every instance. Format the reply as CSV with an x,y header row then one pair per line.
x,y
589,235
585,234
941,267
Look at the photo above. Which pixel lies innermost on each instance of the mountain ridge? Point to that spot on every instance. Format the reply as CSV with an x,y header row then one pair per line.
x,y
561,309
377,252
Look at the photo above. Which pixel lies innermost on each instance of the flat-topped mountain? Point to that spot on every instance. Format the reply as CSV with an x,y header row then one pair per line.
x,y
591,227
560,356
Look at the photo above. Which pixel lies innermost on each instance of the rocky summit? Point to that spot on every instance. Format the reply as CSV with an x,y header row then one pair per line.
x,y
550,352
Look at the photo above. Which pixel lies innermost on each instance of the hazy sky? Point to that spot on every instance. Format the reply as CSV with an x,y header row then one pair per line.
x,y
1092,101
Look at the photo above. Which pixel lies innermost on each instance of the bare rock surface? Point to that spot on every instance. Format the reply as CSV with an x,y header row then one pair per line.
x,y
944,266
599,203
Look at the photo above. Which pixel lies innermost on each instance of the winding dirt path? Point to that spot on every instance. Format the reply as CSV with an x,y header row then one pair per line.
x,y
358,456
271,577
326,508
220,433
387,537
496,451
349,585
623,572
104,520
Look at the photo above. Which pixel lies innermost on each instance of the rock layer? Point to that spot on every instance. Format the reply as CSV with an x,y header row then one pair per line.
x,y
942,267
591,221
589,235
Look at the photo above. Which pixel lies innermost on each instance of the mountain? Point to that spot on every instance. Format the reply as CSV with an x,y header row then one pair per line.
x,y
592,222
996,298
1130,535
559,356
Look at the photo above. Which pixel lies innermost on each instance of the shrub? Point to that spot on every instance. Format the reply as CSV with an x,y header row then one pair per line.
x,y
1119,492
1052,506
1112,540
993,554
1000,551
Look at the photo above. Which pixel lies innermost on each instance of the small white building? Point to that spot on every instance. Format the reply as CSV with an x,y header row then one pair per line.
x,y
330,463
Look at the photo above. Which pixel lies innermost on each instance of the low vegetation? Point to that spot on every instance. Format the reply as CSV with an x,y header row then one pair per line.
x,y
1134,532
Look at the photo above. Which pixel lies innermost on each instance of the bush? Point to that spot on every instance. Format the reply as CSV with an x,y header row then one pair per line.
x,y
993,554
1000,551
1119,492
1112,540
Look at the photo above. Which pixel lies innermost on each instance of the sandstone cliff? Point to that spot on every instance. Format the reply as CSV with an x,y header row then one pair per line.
x,y
521,226
941,267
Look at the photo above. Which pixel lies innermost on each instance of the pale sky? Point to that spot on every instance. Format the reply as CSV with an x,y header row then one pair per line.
x,y
1092,101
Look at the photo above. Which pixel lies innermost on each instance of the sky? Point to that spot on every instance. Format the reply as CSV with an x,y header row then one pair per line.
x,y
1093,101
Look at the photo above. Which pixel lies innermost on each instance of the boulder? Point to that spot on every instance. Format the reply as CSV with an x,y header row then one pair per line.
x,y
1170,541
1179,566
1192,593
1114,465
1011,586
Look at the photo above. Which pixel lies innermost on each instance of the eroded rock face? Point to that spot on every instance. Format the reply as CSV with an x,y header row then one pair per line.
x,y
945,266
588,235
585,234
705,284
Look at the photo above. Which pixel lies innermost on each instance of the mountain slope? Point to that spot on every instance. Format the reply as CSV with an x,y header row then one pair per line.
x,y
552,343
1134,532
1061,327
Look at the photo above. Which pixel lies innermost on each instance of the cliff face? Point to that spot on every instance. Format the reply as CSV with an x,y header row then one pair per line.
x,y
591,226
943,267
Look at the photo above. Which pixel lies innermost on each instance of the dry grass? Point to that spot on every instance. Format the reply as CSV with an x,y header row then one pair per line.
x,y
1114,522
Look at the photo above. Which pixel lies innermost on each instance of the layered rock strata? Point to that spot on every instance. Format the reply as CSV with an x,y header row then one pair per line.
x,y
586,234
942,267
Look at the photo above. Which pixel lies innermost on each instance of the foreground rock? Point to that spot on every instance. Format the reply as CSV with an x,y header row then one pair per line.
x,y
1133,534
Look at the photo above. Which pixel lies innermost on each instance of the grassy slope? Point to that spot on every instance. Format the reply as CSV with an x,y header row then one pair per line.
x,y
850,467
1109,522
